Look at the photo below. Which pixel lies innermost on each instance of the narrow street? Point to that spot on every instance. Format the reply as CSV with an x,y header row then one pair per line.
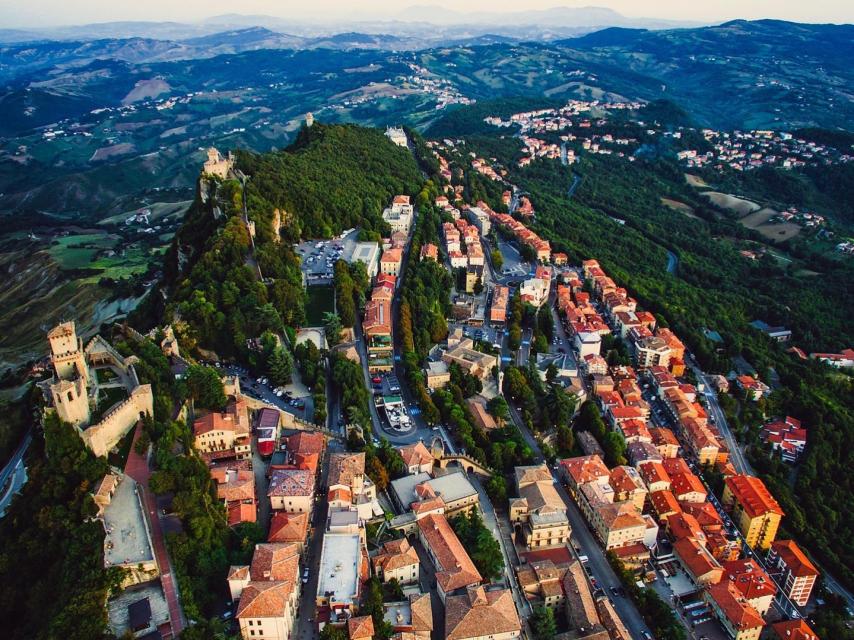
x,y
504,538
305,627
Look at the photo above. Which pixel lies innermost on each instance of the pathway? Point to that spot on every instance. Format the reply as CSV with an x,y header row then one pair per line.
x,y
137,468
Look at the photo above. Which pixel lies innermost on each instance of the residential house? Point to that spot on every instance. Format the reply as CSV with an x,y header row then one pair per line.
x,y
737,616
753,583
479,614
290,528
417,458
291,490
539,510
397,560
268,590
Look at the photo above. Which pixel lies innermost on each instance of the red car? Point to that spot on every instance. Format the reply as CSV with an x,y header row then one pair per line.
x,y
376,380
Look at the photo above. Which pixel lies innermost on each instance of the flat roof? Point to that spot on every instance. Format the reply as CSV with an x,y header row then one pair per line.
x,y
126,541
450,487
339,567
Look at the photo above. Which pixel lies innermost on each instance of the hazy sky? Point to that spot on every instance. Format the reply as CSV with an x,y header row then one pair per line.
x,y
17,13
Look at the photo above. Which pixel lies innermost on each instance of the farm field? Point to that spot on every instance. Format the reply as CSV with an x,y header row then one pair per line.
x,y
681,207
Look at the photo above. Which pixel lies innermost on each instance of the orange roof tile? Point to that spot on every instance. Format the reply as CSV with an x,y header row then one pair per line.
x,y
456,569
752,494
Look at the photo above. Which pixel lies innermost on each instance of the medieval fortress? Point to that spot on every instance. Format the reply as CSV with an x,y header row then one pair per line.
x,y
75,390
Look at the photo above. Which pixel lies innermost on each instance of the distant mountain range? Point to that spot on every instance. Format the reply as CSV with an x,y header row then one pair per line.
x,y
418,26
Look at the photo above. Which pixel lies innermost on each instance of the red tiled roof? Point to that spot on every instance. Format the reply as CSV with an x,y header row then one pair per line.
x,y
749,578
794,630
752,494
738,611
795,559
456,569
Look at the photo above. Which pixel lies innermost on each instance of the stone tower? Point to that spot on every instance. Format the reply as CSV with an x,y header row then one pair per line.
x,y
70,397
309,119
66,352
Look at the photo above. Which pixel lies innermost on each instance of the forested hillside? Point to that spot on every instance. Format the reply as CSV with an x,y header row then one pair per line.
x,y
332,178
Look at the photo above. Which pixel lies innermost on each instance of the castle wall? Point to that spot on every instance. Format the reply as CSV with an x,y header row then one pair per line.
x,y
102,437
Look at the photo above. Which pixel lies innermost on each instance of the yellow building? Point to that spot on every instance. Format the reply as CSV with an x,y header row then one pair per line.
x,y
754,509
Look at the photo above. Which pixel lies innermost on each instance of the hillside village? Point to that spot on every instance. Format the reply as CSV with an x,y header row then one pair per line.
x,y
444,510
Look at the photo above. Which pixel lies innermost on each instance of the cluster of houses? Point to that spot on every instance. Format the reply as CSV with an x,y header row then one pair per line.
x,y
743,150
443,90
377,322
520,232
656,508
425,499
268,589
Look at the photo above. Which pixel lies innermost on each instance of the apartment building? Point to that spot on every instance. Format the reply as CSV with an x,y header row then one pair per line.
x,y
794,570
754,510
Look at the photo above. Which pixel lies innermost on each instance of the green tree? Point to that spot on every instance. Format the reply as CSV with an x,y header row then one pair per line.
x,y
542,623
204,386
332,327
280,366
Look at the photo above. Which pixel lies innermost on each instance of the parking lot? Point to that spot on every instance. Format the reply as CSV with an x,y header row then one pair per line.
x,y
514,265
490,334
319,256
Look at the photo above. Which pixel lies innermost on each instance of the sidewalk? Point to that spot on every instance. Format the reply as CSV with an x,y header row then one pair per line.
x,y
137,468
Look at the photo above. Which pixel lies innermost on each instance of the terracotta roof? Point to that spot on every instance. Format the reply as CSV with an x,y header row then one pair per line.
x,y
581,605
699,562
752,494
796,561
274,562
288,527
664,502
291,482
344,467
684,483
584,469
236,485
238,572
749,578
215,421
684,525
794,630
705,513
306,442
420,606
264,599
416,454
676,465
339,493
625,479
652,471
361,627
738,611
455,566
241,512
394,555
480,613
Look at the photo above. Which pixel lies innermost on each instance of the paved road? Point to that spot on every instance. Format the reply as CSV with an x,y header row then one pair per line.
x,y
306,627
739,461
503,536
137,468
15,473
585,540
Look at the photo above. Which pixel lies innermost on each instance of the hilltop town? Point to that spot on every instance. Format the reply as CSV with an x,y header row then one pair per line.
x,y
481,437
